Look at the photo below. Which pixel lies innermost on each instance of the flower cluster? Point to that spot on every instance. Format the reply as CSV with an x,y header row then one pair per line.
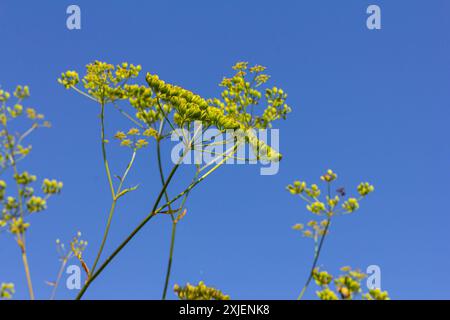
x,y
346,287
349,284
77,247
329,206
189,107
242,94
132,138
103,81
6,290
51,186
160,100
16,207
376,294
12,148
313,229
199,292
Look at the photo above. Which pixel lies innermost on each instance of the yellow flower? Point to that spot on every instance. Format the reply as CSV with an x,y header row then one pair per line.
x,y
150,132
351,205
326,294
322,278
6,290
377,294
316,207
141,143
313,192
120,135
297,188
365,188
51,186
297,226
69,79
133,132
18,226
329,176
36,204
126,143
199,292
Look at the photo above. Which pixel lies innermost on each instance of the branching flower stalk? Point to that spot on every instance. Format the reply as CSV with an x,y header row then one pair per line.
x,y
160,103
16,209
77,247
329,208
101,82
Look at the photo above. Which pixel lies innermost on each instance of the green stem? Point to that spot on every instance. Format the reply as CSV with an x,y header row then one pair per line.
x,y
316,258
58,278
319,249
105,160
153,213
169,264
174,224
131,235
111,213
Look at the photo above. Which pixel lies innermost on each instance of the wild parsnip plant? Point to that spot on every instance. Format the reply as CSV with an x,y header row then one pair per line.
x,y
325,209
19,200
160,110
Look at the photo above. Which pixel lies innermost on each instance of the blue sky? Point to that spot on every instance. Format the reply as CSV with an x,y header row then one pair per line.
x,y
372,105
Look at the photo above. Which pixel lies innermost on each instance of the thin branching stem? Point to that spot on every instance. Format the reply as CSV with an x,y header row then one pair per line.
x,y
318,249
58,278
131,235
152,214
112,210
169,264
174,223
20,237
105,159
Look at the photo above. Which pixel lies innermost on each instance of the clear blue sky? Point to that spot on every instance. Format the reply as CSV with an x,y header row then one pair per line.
x,y
372,105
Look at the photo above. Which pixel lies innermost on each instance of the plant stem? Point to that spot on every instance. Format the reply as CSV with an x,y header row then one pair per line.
x,y
113,192
105,235
21,242
319,249
111,186
153,213
58,278
111,213
131,235
174,224
21,238
316,258
105,160
169,264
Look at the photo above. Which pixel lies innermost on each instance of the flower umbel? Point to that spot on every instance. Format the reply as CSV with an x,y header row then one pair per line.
x,y
199,292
